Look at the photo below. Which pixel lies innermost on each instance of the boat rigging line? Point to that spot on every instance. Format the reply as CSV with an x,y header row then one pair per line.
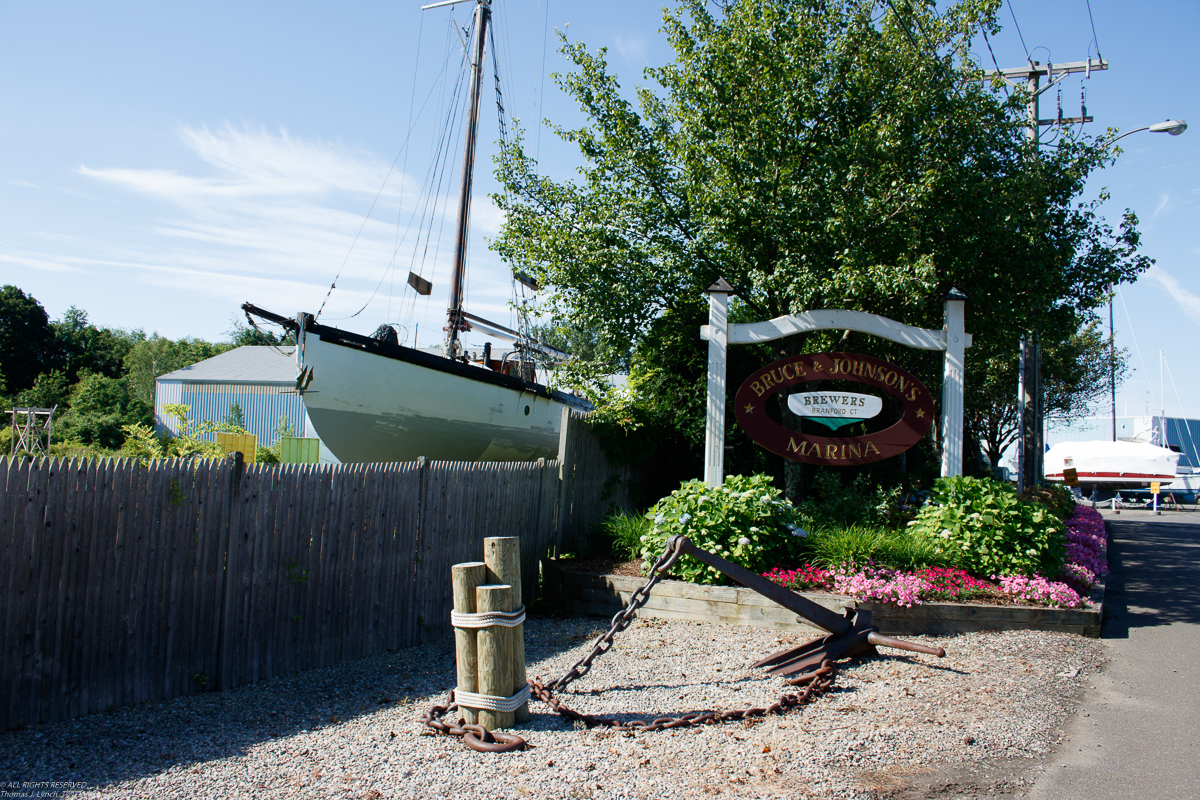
x,y
403,151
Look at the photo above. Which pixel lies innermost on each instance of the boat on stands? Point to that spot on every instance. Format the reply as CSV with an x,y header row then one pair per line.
x,y
1112,466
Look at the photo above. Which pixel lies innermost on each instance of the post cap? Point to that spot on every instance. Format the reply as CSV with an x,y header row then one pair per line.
x,y
954,294
720,287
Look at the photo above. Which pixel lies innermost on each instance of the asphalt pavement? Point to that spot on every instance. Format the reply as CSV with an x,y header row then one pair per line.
x,y
1137,732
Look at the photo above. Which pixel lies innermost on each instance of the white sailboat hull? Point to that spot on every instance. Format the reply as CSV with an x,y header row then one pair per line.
x,y
1112,465
370,406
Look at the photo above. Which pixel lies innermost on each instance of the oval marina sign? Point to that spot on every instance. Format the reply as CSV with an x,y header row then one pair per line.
x,y
834,409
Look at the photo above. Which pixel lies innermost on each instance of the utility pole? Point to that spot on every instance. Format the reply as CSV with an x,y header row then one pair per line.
x,y
1029,394
1112,367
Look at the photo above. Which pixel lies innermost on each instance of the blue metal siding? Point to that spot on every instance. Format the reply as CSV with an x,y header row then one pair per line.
x,y
261,404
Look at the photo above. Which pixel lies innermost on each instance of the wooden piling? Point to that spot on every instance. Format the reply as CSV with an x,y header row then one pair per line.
x,y
466,578
502,555
495,654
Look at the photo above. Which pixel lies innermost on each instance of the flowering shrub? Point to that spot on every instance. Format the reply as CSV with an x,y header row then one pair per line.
x,y
884,585
990,529
806,577
1039,591
952,584
1086,549
743,521
1082,546
880,585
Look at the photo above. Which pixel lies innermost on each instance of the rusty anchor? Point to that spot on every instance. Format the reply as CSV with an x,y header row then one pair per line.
x,y
849,635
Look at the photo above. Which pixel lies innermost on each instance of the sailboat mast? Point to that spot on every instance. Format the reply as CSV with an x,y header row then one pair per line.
x,y
455,321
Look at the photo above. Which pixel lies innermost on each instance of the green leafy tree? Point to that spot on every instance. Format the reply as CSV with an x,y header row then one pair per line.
x,y
242,335
283,428
100,409
189,441
26,339
815,154
49,390
1076,373
80,346
235,418
157,355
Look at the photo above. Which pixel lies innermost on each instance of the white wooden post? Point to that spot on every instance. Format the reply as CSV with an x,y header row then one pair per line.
x,y
718,344
953,372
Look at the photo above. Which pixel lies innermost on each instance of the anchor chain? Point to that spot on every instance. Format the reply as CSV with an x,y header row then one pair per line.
x,y
481,739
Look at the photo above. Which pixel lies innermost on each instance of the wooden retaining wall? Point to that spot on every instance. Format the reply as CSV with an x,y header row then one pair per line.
x,y
604,595
125,581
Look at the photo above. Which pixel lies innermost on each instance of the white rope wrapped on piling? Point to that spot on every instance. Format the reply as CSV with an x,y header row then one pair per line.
x,y
505,619
488,702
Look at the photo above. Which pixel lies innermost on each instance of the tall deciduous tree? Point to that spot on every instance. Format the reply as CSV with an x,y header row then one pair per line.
x,y
26,339
80,346
1076,373
816,154
157,355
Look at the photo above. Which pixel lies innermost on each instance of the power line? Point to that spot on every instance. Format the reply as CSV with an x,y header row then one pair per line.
x,y
917,47
1018,27
1094,37
537,146
995,63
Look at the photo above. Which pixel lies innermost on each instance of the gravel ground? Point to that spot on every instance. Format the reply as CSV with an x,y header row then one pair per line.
x,y
901,726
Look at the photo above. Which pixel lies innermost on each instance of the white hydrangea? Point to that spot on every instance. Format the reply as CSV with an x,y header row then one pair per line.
x,y
744,541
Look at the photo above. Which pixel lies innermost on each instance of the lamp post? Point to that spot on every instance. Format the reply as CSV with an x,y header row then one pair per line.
x,y
1174,127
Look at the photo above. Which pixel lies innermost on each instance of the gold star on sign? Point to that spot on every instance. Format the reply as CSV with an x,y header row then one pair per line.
x,y
921,413
749,409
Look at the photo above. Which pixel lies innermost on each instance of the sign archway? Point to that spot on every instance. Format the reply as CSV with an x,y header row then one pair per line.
x,y
952,340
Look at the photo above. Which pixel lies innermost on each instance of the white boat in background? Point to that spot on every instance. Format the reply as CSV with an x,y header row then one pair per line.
x,y
1112,466
371,398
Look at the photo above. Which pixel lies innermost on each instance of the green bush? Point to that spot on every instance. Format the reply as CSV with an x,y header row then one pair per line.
x,y
1054,496
744,521
990,529
830,503
621,533
861,544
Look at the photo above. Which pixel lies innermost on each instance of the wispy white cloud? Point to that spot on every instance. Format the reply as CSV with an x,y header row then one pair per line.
x,y
255,164
1188,302
1162,203
272,218
26,184
43,263
631,48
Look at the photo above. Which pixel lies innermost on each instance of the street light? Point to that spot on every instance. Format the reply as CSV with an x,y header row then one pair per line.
x,y
1173,127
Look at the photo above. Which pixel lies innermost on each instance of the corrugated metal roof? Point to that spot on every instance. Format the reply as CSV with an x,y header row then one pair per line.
x,y
242,365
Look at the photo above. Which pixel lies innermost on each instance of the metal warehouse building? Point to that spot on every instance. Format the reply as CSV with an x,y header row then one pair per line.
x,y
261,380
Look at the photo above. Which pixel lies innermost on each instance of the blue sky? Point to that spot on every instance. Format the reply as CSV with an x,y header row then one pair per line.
x,y
165,162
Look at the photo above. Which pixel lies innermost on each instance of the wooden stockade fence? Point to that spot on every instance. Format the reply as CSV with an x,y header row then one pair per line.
x,y
590,486
126,581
